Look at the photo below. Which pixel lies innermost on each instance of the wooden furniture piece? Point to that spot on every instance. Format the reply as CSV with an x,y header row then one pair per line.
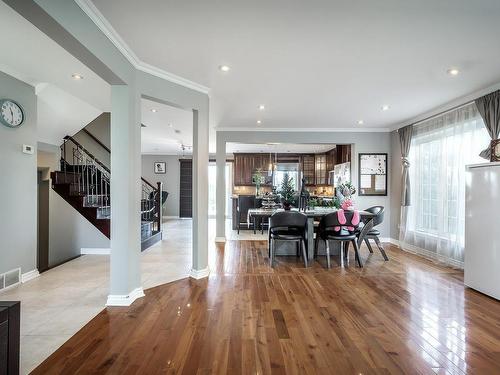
x,y
10,333
308,169
333,228
374,234
186,188
311,216
245,202
288,226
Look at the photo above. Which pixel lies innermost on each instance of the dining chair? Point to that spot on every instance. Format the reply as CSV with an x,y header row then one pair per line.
x,y
288,226
245,202
339,226
374,234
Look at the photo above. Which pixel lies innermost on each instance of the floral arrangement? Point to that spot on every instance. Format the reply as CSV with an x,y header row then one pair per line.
x,y
345,191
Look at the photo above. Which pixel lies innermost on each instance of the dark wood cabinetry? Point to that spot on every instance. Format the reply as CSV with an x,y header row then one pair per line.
x,y
10,334
315,168
245,165
308,169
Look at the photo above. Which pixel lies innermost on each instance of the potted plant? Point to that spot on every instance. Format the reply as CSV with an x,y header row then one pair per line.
x,y
345,191
287,191
258,179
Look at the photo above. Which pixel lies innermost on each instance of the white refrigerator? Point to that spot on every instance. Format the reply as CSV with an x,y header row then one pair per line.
x,y
482,228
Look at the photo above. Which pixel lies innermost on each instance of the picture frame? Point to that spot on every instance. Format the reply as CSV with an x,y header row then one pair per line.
x,y
372,174
160,167
495,150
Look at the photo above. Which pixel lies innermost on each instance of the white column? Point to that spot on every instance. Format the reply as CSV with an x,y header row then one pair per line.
x,y
200,196
220,157
125,278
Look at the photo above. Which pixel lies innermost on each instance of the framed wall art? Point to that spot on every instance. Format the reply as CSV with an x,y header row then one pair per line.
x,y
372,178
160,167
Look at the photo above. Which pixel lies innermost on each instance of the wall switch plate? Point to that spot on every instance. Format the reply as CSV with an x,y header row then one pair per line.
x,y
27,149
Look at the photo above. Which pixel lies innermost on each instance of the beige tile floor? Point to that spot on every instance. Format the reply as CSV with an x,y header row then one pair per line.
x,y
62,300
57,304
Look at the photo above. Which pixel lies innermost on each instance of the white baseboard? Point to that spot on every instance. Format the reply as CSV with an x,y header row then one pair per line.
x,y
95,251
199,274
170,217
30,275
220,239
125,299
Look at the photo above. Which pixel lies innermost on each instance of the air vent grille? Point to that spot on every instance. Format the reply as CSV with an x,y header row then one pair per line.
x,y
10,278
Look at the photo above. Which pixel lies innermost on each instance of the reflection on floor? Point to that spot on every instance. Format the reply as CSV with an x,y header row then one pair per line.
x,y
405,316
57,304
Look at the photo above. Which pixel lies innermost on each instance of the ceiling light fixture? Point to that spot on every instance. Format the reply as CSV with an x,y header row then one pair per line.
x,y
170,126
154,110
259,122
224,68
360,122
262,107
385,107
76,76
453,71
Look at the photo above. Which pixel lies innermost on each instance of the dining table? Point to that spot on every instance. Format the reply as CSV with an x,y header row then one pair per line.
x,y
312,214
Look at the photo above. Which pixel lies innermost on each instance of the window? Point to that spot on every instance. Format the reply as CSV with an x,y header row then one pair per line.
x,y
440,150
293,172
212,184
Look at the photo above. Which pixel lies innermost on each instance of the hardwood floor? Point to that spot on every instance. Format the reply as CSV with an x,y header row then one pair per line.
x,y
405,316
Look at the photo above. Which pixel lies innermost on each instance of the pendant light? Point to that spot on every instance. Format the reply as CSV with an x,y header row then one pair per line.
x,y
270,166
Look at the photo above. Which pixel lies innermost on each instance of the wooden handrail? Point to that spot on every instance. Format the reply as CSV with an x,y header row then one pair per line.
x,y
70,138
94,138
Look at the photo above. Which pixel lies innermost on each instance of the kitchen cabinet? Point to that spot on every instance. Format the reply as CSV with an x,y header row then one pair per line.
x,y
245,165
320,169
308,169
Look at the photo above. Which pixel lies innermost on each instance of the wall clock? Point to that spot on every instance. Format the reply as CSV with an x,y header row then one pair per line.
x,y
11,113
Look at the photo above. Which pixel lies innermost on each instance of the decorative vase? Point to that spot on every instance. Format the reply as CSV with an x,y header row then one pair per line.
x,y
287,206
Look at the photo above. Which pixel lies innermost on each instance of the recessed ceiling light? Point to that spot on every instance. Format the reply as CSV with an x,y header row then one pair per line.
x,y
361,122
76,76
154,110
224,68
262,107
385,107
259,122
453,71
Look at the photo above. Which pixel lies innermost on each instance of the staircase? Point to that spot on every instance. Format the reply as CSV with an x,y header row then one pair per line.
x,y
84,182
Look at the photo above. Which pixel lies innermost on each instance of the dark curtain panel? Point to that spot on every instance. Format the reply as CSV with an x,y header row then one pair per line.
x,y
489,108
405,135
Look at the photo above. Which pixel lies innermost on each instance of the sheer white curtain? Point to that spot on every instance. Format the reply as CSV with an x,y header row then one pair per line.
x,y
441,148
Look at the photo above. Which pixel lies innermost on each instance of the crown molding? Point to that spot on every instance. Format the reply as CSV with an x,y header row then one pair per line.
x,y
103,24
308,130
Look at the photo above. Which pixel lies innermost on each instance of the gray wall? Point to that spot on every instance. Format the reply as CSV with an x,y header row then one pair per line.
x,y
100,128
18,187
361,141
171,180
69,231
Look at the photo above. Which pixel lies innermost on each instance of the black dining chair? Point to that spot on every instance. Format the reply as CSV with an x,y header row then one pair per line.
x,y
288,226
339,226
374,234
245,202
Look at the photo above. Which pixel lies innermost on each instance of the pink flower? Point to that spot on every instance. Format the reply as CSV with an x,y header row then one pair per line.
x,y
346,204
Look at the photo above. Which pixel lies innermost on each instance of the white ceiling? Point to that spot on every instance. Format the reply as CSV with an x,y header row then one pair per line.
x,y
317,64
166,129
279,147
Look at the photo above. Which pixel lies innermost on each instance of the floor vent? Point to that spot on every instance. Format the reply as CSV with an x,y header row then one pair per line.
x,y
10,278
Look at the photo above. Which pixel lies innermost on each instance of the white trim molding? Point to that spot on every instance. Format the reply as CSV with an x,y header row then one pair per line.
x,y
95,251
199,274
125,299
220,239
30,275
102,23
308,130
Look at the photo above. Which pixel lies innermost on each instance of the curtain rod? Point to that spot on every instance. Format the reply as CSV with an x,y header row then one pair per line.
x,y
443,112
